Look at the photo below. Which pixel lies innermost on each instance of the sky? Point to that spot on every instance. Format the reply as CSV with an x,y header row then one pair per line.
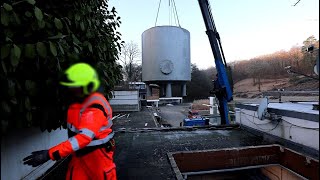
x,y
247,28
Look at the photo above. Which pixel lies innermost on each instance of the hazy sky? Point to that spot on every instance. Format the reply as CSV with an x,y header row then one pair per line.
x,y
248,28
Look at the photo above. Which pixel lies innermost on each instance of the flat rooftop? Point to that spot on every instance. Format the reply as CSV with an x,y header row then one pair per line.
x,y
142,147
143,154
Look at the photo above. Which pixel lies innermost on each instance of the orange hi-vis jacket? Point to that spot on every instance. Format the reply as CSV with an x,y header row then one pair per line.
x,y
91,121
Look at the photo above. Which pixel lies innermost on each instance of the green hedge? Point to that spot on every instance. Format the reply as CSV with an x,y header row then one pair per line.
x,y
39,39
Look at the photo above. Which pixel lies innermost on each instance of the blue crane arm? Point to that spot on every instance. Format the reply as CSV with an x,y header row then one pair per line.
x,y
224,94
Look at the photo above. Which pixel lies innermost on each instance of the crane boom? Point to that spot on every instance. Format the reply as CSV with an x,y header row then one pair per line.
x,y
222,88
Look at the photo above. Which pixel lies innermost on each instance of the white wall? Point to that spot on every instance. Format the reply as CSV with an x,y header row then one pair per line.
x,y
19,144
300,131
125,101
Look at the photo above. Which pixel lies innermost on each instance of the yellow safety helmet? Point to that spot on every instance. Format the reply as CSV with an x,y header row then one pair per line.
x,y
81,75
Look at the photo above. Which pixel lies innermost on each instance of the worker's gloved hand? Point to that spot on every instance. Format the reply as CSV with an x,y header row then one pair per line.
x,y
37,158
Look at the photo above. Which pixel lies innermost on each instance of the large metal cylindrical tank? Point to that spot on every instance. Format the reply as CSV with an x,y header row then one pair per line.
x,y
166,54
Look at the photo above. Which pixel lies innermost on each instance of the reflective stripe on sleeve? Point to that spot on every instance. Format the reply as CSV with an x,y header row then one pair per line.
x,y
106,127
75,130
87,132
72,128
74,143
101,141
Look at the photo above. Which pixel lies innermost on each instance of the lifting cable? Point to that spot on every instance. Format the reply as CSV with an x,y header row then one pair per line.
x,y
176,12
173,13
157,13
170,10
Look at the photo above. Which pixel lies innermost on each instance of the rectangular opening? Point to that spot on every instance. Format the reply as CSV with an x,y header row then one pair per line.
x,y
269,162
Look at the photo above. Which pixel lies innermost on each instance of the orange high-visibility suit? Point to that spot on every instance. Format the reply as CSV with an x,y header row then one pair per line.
x,y
92,144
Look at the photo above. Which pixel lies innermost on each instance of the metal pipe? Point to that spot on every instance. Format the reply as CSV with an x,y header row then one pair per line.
x,y
186,174
227,170
211,105
168,90
148,90
184,90
163,90
238,115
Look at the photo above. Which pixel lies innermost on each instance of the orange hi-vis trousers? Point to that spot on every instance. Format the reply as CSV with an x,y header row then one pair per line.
x,y
96,165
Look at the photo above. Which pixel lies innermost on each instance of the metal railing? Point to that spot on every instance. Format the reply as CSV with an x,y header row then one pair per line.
x,y
281,93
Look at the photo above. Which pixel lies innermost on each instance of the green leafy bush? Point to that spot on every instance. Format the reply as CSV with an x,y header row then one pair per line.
x,y
39,39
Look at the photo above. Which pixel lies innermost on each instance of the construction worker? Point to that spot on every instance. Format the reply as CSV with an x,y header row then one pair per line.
x,y
89,122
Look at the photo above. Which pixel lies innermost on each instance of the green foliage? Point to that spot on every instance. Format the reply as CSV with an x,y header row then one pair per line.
x,y
200,84
39,40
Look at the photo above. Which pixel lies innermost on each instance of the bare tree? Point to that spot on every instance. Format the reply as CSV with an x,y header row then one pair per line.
x,y
130,61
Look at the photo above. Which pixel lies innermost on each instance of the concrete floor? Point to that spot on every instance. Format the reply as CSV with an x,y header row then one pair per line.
x,y
143,155
142,119
174,114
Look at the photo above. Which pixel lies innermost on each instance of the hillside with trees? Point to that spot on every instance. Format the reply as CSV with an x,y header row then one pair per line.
x,y
263,73
273,65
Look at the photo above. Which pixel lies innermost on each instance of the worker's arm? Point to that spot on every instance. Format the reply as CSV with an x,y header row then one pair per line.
x,y
92,119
